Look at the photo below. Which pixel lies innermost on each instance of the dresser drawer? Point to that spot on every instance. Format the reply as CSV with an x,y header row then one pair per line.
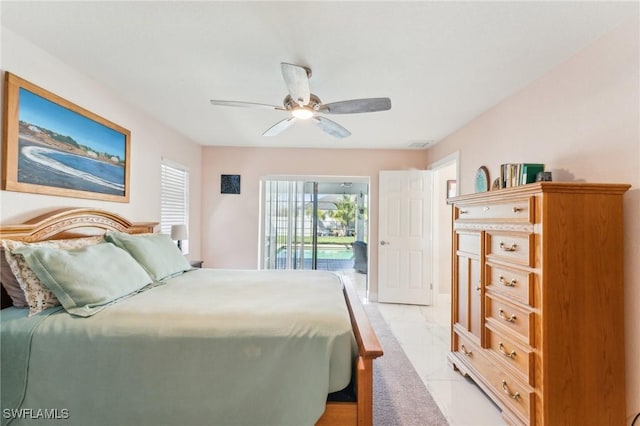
x,y
466,348
517,210
517,319
511,392
518,396
511,352
513,283
469,242
510,246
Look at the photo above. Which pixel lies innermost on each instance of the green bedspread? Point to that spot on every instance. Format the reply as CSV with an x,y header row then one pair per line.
x,y
210,347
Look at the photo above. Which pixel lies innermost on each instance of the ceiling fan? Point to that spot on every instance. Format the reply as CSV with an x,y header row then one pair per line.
x,y
304,105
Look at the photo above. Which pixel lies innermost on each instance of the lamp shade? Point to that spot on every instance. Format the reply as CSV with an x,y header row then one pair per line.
x,y
179,232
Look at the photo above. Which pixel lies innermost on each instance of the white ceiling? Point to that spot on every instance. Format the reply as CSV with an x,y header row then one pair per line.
x,y
441,63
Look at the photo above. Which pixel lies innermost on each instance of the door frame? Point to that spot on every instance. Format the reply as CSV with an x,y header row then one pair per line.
x,y
437,221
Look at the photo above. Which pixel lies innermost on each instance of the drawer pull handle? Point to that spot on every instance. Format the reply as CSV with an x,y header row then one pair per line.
x,y
463,211
505,353
517,209
504,282
465,351
486,209
506,390
512,318
504,247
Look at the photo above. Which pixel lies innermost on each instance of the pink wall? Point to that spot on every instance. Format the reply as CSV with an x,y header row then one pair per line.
x,y
230,222
150,142
582,120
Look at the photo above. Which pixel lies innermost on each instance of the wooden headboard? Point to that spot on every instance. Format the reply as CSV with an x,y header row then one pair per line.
x,y
70,223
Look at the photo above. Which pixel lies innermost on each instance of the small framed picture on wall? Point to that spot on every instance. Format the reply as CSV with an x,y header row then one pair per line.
x,y
452,189
229,184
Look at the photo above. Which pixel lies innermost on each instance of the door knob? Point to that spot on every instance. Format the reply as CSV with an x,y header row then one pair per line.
x,y
384,243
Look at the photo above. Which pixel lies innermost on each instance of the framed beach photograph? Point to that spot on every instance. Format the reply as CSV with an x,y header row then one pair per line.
x,y
52,146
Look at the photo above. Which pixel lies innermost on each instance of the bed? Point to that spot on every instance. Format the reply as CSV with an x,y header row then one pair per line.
x,y
201,347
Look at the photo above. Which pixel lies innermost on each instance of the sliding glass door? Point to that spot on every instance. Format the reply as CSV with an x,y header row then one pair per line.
x,y
311,224
289,224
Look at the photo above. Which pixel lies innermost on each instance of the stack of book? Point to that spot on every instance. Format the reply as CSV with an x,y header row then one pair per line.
x,y
515,174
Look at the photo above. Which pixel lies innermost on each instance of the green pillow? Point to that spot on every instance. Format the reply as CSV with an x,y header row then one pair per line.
x,y
88,279
157,253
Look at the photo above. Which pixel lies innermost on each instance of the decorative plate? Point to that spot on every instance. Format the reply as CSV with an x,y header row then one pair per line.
x,y
482,179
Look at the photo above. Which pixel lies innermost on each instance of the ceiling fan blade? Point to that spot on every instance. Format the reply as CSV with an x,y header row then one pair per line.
x,y
357,105
244,104
331,127
297,80
279,126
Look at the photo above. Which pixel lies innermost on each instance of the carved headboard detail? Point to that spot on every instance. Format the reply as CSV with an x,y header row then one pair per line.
x,y
69,223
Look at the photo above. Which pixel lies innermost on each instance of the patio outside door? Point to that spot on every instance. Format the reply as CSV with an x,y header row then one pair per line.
x,y
309,224
290,239
404,232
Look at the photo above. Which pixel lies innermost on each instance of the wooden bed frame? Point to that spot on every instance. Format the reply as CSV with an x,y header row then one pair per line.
x,y
74,223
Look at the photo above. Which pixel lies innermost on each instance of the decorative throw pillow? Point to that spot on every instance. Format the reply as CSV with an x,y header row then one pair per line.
x,y
157,253
37,295
88,279
10,283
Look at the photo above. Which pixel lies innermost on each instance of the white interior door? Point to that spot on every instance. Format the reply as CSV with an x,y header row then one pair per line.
x,y
404,237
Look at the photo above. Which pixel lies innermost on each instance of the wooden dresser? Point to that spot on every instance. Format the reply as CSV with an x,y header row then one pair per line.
x,y
537,301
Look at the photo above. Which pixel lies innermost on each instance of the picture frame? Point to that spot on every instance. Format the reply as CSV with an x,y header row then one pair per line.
x,y
230,184
452,188
52,146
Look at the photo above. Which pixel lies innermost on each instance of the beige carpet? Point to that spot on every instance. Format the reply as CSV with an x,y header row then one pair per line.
x,y
399,395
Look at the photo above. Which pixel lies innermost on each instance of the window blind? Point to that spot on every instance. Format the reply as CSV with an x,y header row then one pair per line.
x,y
174,198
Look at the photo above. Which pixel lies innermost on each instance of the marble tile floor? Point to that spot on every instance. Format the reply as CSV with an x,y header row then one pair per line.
x,y
424,334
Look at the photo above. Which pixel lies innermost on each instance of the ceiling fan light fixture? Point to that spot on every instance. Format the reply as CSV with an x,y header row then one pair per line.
x,y
302,113
301,104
